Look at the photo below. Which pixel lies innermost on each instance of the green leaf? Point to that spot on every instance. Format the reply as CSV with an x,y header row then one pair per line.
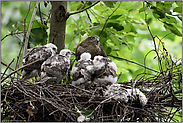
x,y
116,26
127,27
142,9
178,9
38,36
110,3
122,78
75,7
149,20
130,46
169,2
169,19
108,51
157,13
115,16
137,74
164,7
37,24
172,28
114,39
179,3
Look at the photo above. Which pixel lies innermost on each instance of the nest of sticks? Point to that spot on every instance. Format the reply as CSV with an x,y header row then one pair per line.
x,y
27,101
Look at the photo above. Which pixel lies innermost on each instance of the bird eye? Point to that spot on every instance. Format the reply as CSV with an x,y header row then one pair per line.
x,y
92,38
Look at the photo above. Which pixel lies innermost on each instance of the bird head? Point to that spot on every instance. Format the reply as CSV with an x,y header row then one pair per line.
x,y
52,46
94,38
85,56
66,52
97,62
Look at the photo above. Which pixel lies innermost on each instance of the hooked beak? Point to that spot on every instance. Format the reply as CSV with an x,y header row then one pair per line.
x,y
57,52
97,40
72,53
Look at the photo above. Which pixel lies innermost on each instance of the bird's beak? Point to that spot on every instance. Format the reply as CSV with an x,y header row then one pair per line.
x,y
97,40
72,53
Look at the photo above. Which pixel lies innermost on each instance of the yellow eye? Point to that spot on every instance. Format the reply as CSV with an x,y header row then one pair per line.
x,y
92,38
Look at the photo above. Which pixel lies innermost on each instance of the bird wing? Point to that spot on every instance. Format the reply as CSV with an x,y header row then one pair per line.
x,y
79,51
86,75
103,53
56,66
100,72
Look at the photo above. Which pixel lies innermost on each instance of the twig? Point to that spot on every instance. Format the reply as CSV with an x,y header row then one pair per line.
x,y
4,100
30,25
40,13
83,5
152,38
119,76
8,67
103,102
20,69
108,18
83,9
133,62
11,34
80,32
23,41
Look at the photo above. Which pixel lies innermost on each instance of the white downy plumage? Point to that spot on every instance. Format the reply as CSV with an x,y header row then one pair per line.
x,y
82,71
105,71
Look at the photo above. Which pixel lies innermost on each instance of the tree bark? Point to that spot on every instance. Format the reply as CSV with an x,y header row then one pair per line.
x,y
58,24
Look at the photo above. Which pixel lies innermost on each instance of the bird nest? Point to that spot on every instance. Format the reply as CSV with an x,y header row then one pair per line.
x,y
29,101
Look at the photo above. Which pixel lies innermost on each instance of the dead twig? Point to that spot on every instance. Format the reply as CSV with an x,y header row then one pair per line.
x,y
7,67
30,25
20,69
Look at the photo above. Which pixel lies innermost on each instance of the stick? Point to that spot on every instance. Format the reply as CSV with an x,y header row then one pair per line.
x,y
28,32
7,67
20,69
134,63
83,9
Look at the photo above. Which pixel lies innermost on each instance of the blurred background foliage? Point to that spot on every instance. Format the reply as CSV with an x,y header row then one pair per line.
x,y
125,33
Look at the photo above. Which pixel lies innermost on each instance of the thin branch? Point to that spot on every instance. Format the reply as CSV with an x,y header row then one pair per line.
x,y
28,32
80,32
83,5
83,9
108,18
18,57
134,63
161,69
39,8
7,67
119,76
14,111
20,69
11,35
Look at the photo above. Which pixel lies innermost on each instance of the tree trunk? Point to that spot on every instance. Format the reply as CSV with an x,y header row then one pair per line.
x,y
58,24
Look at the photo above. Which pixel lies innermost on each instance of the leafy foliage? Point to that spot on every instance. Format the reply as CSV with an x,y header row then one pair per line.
x,y
121,25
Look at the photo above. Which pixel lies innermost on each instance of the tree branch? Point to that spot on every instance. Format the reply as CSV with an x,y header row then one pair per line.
x,y
7,67
155,49
11,35
133,62
28,32
80,32
108,18
20,69
83,9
